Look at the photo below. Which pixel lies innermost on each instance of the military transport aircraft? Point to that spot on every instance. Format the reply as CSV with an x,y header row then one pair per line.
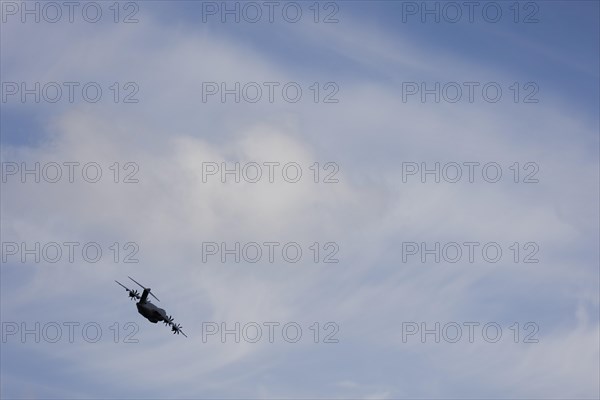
x,y
149,310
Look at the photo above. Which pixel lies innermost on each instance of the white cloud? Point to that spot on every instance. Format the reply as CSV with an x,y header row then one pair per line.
x,y
170,133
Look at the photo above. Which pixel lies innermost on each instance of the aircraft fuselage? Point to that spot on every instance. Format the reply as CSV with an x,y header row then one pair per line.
x,y
151,312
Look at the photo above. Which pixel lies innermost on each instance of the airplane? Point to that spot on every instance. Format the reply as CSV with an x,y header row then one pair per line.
x,y
150,311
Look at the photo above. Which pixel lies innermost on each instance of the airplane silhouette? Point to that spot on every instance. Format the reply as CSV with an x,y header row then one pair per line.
x,y
151,312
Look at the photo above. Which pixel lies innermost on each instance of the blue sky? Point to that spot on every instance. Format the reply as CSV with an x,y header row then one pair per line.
x,y
370,134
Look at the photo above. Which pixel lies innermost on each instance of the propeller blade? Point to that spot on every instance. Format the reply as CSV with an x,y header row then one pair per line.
x,y
126,288
150,293
142,286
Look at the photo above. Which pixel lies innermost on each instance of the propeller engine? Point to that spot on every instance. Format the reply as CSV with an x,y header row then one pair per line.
x,y
176,328
133,294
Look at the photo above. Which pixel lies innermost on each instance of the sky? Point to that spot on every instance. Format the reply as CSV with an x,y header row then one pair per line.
x,y
352,199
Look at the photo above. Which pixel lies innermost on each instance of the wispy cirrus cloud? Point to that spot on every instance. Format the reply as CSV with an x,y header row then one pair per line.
x,y
170,133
